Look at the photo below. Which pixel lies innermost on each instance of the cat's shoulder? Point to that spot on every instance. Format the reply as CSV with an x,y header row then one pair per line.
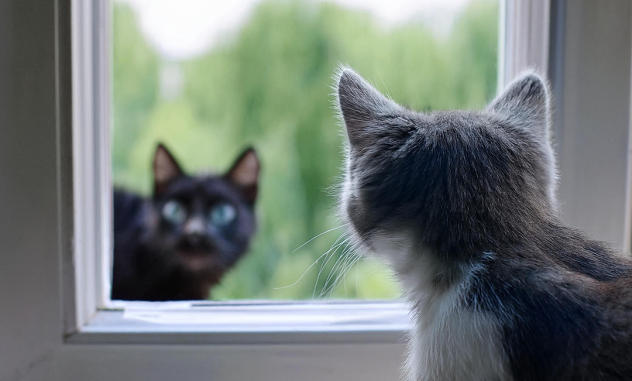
x,y
573,294
128,208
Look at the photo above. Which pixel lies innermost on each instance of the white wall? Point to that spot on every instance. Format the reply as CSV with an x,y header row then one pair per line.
x,y
232,363
30,313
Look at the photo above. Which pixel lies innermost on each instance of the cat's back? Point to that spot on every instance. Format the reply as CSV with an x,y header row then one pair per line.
x,y
564,306
128,208
129,213
611,358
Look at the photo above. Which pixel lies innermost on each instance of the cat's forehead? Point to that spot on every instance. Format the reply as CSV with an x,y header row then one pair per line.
x,y
455,119
433,121
203,187
415,128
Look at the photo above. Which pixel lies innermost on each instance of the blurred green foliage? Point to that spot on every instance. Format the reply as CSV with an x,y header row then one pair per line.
x,y
269,85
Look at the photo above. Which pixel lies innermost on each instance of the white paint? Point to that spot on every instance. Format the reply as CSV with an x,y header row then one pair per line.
x,y
524,38
30,282
310,362
248,322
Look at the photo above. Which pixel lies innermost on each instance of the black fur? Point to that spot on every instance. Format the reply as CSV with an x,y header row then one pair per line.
x,y
157,259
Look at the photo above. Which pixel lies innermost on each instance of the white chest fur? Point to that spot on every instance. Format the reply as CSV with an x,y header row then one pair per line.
x,y
448,341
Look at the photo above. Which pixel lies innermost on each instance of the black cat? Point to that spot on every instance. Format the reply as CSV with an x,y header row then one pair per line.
x,y
179,243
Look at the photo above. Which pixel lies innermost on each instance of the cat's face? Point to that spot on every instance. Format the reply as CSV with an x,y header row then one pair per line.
x,y
203,224
446,180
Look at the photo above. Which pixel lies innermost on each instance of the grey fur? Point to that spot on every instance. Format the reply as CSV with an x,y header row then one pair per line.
x,y
462,205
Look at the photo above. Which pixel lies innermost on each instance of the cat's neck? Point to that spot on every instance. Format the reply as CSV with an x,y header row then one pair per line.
x,y
435,266
427,278
421,270
455,238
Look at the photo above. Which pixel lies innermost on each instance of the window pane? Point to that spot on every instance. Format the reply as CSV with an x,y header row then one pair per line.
x,y
209,78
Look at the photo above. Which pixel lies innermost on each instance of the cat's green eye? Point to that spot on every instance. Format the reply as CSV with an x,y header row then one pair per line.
x,y
222,214
174,212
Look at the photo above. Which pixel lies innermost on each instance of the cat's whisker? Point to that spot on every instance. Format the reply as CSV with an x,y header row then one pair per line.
x,y
356,279
325,232
316,261
348,264
322,267
330,289
335,248
334,267
345,271
339,268
302,275
332,271
305,272
388,93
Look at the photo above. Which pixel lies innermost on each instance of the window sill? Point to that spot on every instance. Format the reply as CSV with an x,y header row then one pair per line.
x,y
217,323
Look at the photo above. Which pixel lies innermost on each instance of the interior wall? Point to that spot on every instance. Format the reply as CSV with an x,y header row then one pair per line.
x,y
30,300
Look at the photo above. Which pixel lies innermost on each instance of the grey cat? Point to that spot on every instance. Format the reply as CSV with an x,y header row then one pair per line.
x,y
462,206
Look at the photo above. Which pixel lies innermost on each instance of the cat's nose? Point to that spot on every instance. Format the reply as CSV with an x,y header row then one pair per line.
x,y
194,227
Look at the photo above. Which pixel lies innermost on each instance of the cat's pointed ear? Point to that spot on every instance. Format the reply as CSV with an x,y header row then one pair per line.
x,y
245,174
361,107
166,169
526,103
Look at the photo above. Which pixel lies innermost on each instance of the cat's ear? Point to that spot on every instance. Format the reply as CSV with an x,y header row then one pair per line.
x,y
361,107
525,102
245,174
166,169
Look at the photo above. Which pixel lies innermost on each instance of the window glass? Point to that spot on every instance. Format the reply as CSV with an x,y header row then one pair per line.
x,y
209,78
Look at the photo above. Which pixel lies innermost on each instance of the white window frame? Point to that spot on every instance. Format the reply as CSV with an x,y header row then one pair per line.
x,y
523,38
91,158
52,329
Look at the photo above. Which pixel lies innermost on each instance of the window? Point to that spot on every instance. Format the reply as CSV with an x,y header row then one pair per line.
x,y
210,78
261,79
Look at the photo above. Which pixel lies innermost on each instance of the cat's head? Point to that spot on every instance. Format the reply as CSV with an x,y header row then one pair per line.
x,y
204,223
457,182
